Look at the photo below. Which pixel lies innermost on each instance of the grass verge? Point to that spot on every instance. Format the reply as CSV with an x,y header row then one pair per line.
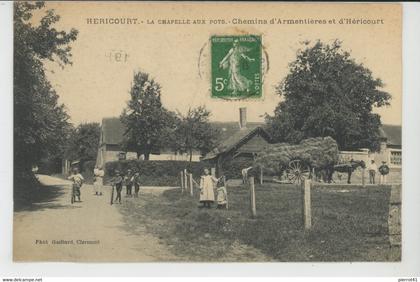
x,y
348,225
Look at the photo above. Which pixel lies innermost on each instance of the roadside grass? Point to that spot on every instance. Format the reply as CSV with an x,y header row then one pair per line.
x,y
348,224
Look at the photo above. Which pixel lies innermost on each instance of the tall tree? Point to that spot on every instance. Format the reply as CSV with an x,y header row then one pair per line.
x,y
145,119
40,121
194,132
327,93
83,142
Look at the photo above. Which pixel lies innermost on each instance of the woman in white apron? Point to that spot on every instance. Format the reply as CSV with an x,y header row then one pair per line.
x,y
98,182
207,183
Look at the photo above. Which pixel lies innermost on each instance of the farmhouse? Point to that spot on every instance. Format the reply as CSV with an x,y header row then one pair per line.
x,y
112,131
390,149
237,139
244,140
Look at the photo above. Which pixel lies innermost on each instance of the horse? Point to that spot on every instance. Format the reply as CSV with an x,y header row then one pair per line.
x,y
348,168
324,173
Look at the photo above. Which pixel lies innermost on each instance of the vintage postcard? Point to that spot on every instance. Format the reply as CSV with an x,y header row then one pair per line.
x,y
207,132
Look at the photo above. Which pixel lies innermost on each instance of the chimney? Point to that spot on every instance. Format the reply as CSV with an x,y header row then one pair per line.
x,y
242,118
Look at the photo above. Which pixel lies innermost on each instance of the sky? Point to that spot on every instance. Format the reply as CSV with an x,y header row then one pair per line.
x,y
177,55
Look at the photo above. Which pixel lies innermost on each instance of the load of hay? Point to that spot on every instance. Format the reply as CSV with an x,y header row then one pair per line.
x,y
315,152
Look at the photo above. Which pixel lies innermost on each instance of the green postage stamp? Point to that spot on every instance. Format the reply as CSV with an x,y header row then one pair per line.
x,y
236,66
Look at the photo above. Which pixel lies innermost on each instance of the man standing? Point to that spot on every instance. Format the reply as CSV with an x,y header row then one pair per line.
x,y
128,181
384,171
372,171
136,182
118,182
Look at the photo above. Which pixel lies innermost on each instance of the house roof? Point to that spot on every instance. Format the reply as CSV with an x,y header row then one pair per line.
x,y
227,129
112,131
236,139
392,134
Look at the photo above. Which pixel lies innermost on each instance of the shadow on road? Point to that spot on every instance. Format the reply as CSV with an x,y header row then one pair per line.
x,y
40,198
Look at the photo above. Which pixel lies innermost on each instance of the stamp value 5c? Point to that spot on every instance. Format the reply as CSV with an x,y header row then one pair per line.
x,y
236,66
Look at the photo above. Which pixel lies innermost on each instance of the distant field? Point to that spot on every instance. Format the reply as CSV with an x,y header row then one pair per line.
x,y
348,224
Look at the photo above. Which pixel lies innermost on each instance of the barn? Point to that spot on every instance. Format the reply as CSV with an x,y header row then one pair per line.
x,y
244,141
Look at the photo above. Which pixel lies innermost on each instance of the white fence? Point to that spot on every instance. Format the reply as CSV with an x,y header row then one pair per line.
x,y
346,156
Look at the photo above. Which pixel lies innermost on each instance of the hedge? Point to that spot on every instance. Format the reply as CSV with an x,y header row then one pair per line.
x,y
49,166
155,173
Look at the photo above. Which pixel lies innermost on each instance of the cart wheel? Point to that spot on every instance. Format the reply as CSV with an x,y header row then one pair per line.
x,y
297,172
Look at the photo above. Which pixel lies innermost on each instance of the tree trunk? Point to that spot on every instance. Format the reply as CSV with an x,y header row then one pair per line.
x,y
146,156
191,155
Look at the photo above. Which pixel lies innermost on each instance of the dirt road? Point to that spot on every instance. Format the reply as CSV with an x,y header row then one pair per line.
x,y
91,230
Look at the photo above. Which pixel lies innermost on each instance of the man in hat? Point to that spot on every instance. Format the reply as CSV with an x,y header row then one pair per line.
x,y
136,182
384,171
372,171
118,182
128,181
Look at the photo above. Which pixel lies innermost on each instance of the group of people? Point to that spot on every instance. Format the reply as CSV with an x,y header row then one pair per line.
x,y
383,171
208,183
129,179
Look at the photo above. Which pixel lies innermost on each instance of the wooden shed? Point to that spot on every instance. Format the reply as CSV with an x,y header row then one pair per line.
x,y
245,142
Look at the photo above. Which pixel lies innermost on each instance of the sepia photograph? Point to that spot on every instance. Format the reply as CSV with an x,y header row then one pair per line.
x,y
207,132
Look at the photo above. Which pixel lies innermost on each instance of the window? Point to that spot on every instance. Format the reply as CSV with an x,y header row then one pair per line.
x,y
121,156
396,157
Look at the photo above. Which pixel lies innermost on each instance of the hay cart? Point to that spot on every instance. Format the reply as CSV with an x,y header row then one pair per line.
x,y
299,162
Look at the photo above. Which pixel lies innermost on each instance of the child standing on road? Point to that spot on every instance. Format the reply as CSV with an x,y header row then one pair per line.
x,y
118,182
128,182
77,179
136,182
